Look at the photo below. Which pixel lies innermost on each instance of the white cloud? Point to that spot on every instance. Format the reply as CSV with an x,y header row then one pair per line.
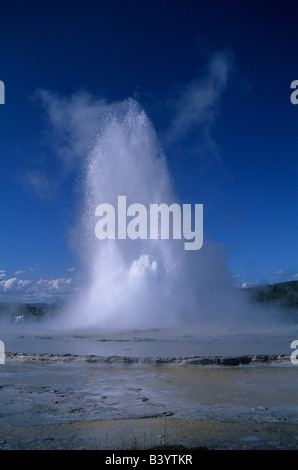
x,y
198,102
53,285
37,182
24,285
295,276
9,284
248,284
71,270
3,274
36,291
73,123
71,128
19,273
279,271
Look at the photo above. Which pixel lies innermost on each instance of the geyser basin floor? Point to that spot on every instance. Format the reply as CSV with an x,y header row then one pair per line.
x,y
109,407
67,402
170,343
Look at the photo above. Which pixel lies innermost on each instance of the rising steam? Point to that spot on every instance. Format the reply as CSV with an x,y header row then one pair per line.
x,y
143,283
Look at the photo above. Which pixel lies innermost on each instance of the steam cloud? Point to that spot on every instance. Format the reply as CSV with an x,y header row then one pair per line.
x,y
139,283
144,283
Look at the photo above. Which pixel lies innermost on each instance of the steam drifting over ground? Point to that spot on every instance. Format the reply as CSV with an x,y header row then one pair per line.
x,y
114,146
144,283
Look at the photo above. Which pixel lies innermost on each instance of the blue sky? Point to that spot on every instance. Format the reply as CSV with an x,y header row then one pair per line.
x,y
214,78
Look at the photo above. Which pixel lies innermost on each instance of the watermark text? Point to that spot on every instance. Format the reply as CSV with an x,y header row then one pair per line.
x,y
2,352
294,94
2,92
163,221
294,355
151,459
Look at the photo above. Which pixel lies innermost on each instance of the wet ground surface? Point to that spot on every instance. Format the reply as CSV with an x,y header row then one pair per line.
x,y
42,398
73,404
154,342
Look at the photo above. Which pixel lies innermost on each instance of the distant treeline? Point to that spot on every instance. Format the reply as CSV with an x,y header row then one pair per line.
x,y
30,311
283,294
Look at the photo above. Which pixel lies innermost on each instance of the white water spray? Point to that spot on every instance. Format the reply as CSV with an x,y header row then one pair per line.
x,y
142,283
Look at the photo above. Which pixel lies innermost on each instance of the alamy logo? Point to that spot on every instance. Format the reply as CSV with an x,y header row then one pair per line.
x,y
2,353
294,94
294,355
159,222
2,92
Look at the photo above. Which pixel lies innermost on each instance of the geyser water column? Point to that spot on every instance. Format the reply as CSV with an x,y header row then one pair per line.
x,y
128,282
141,283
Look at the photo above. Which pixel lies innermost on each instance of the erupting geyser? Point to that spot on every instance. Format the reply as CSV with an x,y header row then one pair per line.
x,y
142,283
